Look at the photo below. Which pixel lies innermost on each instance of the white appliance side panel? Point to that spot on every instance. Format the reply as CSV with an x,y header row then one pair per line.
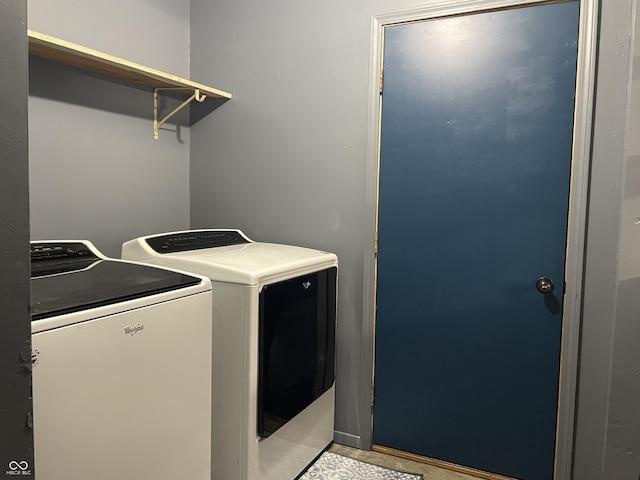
x,y
110,404
228,354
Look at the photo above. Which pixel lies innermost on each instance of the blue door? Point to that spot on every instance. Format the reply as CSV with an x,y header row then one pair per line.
x,y
476,139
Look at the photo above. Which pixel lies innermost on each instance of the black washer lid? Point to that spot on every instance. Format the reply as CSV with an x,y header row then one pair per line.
x,y
70,277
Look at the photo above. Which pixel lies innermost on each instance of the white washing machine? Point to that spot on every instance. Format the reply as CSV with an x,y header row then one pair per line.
x,y
121,367
274,321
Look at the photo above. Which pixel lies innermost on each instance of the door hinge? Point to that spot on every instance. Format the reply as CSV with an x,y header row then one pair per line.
x,y
375,244
381,79
372,394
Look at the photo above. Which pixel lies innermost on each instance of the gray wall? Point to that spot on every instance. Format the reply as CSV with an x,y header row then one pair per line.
x,y
16,438
607,444
286,159
96,172
622,453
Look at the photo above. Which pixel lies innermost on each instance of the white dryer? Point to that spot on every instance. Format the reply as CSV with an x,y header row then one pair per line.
x,y
274,323
121,367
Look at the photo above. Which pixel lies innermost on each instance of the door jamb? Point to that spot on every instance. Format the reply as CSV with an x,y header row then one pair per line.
x,y
576,231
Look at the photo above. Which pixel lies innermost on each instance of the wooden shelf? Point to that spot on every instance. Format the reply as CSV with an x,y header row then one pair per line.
x,y
69,53
61,51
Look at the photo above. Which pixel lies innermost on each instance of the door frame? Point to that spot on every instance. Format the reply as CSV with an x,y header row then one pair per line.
x,y
576,231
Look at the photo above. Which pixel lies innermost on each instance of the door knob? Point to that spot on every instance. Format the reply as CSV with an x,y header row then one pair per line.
x,y
544,285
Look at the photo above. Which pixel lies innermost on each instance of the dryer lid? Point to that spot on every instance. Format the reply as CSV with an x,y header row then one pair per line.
x,y
227,256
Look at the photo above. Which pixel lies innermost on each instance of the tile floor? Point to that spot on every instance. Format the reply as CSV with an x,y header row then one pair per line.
x,y
430,472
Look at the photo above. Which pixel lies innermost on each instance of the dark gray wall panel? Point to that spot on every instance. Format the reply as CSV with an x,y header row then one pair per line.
x,y
599,447
16,437
622,454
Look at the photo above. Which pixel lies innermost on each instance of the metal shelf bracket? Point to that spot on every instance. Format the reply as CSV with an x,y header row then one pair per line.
x,y
197,96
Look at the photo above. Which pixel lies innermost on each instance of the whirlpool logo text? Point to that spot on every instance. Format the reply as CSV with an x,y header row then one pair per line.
x,y
18,468
133,329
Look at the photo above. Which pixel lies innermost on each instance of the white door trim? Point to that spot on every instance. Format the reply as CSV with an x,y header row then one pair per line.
x,y
583,120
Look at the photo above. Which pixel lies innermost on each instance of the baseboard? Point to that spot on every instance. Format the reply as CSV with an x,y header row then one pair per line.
x,y
440,463
348,439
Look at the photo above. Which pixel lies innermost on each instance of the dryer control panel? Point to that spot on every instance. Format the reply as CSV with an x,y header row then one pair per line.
x,y
196,240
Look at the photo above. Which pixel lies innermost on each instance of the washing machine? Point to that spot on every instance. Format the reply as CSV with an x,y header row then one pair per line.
x,y
274,323
121,363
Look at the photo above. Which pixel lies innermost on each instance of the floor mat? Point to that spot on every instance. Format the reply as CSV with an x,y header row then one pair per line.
x,y
331,466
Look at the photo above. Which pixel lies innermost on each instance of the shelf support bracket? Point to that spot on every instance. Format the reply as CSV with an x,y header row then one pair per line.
x,y
197,96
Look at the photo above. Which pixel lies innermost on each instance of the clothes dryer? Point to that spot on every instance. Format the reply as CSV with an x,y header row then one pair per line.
x,y
121,357
274,323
